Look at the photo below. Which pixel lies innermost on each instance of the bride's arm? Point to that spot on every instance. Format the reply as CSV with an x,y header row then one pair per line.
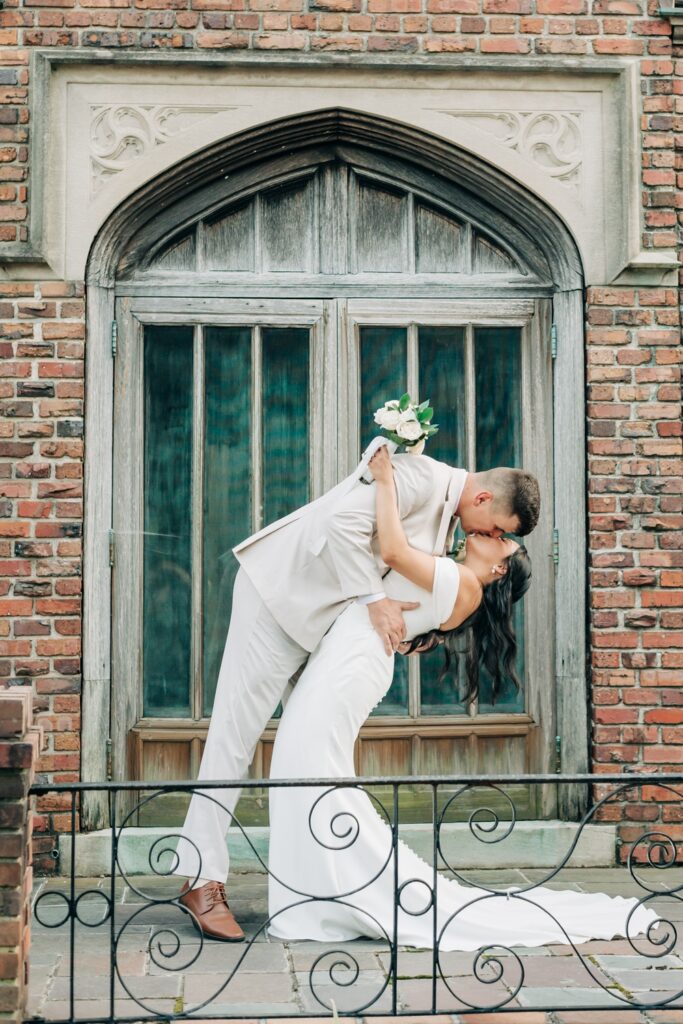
x,y
415,565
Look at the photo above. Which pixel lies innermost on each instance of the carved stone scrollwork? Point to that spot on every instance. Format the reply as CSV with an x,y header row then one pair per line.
x,y
551,140
121,133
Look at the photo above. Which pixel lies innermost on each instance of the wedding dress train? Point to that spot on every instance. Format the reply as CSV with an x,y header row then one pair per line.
x,y
335,844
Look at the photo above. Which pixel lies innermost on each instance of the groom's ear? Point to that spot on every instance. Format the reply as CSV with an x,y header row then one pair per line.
x,y
482,497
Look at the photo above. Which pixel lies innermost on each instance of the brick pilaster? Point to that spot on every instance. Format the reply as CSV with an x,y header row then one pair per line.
x,y
20,744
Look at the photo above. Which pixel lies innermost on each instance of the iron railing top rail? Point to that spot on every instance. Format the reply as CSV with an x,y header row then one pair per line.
x,y
630,775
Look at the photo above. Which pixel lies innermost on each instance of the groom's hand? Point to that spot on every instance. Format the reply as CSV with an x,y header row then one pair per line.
x,y
387,620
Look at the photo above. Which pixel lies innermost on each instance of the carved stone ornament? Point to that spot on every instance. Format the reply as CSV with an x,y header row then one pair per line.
x,y
551,140
121,133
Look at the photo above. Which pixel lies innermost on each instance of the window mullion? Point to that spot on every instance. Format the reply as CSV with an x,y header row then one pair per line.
x,y
197,521
412,372
257,428
471,433
470,400
412,382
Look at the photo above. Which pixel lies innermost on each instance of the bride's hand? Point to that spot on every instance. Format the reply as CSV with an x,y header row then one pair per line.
x,y
380,465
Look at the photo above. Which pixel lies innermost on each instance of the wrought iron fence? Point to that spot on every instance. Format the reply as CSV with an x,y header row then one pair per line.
x,y
496,970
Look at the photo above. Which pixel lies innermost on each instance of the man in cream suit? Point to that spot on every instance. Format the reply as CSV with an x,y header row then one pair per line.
x,y
295,577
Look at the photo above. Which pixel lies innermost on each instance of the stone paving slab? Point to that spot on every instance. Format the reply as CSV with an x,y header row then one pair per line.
x,y
221,958
569,997
365,954
177,973
599,1017
93,986
631,963
241,988
459,994
638,982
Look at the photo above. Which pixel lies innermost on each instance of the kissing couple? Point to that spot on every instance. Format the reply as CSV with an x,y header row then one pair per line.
x,y
328,595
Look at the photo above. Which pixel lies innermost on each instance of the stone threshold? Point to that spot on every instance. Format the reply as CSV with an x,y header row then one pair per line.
x,y
530,844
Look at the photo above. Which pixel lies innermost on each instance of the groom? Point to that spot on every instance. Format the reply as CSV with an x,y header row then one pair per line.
x,y
295,577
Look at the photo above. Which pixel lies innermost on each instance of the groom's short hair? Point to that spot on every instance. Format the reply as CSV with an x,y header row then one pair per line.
x,y
516,492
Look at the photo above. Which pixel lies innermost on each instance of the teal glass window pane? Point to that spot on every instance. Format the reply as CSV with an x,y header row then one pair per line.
x,y
167,541
285,420
227,512
442,381
383,367
498,392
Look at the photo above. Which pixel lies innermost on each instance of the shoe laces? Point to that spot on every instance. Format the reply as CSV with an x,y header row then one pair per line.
x,y
216,893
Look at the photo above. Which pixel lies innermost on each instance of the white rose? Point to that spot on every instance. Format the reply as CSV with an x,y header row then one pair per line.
x,y
390,419
387,417
409,429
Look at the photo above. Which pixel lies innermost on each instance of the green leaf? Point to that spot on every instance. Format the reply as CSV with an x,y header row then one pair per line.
x,y
404,402
423,405
425,415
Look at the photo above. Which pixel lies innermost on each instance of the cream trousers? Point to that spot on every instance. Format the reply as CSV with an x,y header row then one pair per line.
x,y
258,660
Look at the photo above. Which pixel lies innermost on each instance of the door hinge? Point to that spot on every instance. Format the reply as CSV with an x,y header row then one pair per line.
x,y
108,750
114,336
556,547
553,341
112,547
558,754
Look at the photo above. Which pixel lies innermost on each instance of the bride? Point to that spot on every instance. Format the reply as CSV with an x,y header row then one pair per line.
x,y
333,873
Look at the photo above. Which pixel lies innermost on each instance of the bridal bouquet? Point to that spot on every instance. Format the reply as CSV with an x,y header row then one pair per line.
x,y
406,423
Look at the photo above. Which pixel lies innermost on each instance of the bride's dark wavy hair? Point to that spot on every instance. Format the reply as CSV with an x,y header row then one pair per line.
x,y
487,637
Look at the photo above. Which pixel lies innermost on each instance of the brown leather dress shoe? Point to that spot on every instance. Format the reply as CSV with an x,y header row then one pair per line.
x,y
210,908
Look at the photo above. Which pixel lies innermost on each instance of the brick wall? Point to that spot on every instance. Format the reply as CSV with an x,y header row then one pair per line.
x,y
633,362
41,490
20,743
635,505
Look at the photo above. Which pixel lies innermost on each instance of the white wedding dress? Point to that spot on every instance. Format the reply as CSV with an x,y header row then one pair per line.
x,y
335,846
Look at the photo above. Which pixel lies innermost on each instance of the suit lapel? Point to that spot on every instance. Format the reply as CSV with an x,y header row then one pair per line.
x,y
444,536
442,533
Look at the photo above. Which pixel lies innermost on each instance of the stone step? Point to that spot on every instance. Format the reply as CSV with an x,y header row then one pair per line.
x,y
530,844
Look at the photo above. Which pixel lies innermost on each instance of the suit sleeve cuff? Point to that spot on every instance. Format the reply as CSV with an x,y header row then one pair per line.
x,y
371,598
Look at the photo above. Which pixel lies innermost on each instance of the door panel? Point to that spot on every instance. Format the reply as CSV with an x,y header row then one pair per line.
x,y
220,419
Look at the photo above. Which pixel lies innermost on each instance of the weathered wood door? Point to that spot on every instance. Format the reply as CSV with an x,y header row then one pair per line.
x,y
255,344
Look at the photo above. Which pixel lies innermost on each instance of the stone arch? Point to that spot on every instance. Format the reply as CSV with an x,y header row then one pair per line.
x,y
188,188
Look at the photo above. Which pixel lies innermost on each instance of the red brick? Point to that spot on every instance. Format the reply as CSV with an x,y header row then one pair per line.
x,y
505,45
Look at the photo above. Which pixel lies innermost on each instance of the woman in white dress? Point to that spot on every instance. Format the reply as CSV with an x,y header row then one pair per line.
x,y
332,868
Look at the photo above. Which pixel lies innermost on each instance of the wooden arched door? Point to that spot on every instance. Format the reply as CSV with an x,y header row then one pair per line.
x,y
256,338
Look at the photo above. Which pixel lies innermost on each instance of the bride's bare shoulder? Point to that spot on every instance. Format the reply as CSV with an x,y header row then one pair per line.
x,y
468,597
470,587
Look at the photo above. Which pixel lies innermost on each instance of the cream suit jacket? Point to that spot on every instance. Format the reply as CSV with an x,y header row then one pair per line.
x,y
309,565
